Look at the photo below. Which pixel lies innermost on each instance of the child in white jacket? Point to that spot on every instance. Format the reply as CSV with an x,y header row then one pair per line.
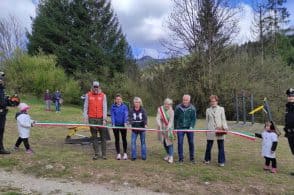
x,y
269,146
24,124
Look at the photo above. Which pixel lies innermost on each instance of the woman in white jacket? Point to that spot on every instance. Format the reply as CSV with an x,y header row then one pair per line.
x,y
216,120
24,124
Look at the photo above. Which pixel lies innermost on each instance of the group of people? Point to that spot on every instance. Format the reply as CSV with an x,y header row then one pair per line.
x,y
182,119
270,137
56,98
167,119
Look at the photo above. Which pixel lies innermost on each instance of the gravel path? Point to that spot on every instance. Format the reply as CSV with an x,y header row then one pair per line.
x,y
32,185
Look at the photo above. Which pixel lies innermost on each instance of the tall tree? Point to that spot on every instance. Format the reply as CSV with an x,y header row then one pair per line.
x,y
259,27
277,15
271,15
204,29
216,26
85,35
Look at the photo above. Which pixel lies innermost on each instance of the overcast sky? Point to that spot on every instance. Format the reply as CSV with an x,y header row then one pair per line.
x,y
141,20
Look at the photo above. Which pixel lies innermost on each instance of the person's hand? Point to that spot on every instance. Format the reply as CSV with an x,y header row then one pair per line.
x,y
272,152
159,127
129,127
171,134
86,121
104,122
33,123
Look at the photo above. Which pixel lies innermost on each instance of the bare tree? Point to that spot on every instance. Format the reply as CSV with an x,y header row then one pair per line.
x,y
203,28
258,28
12,36
191,24
183,26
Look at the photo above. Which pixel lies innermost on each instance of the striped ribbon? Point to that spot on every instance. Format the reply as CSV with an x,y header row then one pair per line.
x,y
243,134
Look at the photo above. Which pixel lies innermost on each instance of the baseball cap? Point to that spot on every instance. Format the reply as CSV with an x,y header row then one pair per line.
x,y
290,92
96,84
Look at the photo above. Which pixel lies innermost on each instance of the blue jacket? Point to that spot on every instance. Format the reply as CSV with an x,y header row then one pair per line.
x,y
119,114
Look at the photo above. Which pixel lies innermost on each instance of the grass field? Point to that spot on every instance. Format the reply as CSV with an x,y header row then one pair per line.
x,y
243,173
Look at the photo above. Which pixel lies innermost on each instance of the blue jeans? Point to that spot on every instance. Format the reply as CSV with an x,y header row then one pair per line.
x,y
143,144
221,151
57,105
169,149
190,137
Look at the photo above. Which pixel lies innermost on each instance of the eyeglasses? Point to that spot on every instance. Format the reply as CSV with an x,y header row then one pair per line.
x,y
96,86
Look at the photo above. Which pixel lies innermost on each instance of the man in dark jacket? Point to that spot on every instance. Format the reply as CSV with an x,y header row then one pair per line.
x,y
289,120
185,118
57,98
4,102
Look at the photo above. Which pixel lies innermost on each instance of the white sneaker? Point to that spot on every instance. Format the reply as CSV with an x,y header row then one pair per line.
x,y
170,159
118,157
206,162
166,158
222,164
125,156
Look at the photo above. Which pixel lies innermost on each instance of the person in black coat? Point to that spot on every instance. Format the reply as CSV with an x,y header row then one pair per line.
x,y
4,102
289,120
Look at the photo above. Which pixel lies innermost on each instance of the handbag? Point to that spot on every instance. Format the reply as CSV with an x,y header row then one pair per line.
x,y
219,129
220,133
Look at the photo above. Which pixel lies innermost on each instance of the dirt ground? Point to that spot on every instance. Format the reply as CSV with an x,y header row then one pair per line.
x,y
25,184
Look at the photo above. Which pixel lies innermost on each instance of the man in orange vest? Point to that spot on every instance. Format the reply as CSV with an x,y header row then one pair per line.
x,y
95,112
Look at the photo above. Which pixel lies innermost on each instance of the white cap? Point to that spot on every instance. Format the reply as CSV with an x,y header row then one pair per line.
x,y
96,83
23,106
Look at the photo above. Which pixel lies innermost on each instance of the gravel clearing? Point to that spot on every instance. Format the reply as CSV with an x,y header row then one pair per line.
x,y
27,184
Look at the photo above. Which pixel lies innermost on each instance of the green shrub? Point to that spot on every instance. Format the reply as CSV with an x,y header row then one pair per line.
x,y
35,74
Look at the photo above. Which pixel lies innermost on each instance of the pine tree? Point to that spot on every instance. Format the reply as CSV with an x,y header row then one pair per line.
x,y
271,16
85,35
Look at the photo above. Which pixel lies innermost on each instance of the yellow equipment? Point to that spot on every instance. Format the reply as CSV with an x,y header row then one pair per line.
x,y
73,130
257,109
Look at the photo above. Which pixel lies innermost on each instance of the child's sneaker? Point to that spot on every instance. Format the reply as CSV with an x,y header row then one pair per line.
x,y
274,170
15,149
266,168
29,151
118,157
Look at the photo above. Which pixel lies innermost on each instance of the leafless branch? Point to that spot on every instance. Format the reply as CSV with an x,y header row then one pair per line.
x,y
11,36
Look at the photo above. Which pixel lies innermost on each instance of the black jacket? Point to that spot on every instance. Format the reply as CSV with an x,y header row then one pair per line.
x,y
289,119
3,99
138,118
